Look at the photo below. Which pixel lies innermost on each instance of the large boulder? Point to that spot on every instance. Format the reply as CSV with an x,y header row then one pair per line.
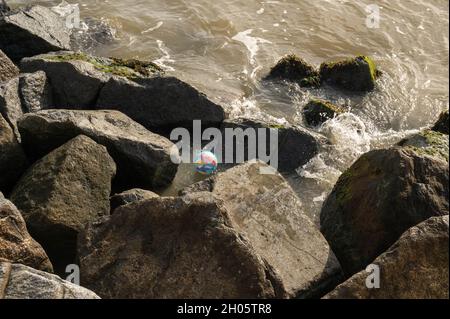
x,y
442,123
382,195
34,91
136,88
317,112
296,146
8,70
10,105
16,244
415,267
355,74
143,158
13,161
21,282
173,247
31,31
64,191
4,8
265,209
295,69
130,196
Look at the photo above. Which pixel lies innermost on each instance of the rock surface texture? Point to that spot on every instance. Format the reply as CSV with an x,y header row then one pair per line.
x,y
415,267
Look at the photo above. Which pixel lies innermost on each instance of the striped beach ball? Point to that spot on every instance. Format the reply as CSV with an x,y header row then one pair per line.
x,y
206,162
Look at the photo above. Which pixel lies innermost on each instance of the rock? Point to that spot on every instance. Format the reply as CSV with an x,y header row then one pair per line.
x,y
295,69
21,282
138,89
31,31
173,247
35,91
62,192
130,196
16,244
428,143
10,106
266,211
317,112
8,70
296,146
76,82
382,195
143,158
98,33
13,161
415,267
442,123
160,103
357,74
4,8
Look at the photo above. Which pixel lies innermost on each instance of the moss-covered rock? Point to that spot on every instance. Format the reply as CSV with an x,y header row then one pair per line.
x,y
294,68
428,143
442,123
317,112
355,74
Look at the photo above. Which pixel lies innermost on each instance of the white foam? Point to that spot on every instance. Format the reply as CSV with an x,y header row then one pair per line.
x,y
166,58
252,43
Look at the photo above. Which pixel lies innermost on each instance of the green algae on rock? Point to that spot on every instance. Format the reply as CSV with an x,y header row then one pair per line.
x,y
317,111
294,68
428,143
442,123
354,74
129,68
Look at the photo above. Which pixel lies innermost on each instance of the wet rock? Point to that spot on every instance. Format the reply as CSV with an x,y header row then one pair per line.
x,y
21,282
16,244
143,158
96,33
31,31
8,70
294,68
265,210
316,112
62,192
139,89
382,195
35,92
442,123
357,74
428,143
173,247
10,106
415,267
13,161
296,146
130,196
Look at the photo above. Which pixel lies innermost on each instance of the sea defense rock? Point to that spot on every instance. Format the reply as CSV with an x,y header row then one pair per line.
x,y
383,194
415,267
356,74
35,92
64,191
295,69
138,89
143,158
442,123
317,112
296,146
8,69
13,161
130,196
16,244
4,8
22,282
266,211
10,106
173,247
31,31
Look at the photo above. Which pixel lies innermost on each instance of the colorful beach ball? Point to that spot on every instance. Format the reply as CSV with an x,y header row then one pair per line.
x,y
206,162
